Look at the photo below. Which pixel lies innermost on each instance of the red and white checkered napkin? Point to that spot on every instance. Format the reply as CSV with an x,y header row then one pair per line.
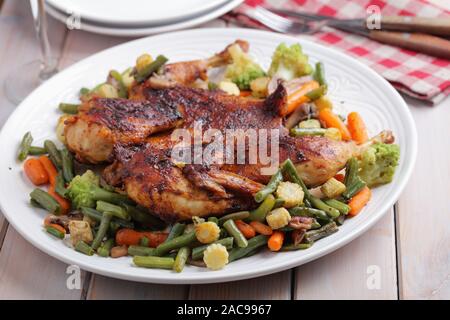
x,y
418,75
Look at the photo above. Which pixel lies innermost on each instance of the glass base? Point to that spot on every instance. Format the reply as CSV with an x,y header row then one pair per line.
x,y
23,80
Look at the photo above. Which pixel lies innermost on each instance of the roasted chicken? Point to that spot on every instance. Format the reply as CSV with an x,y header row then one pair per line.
x,y
136,137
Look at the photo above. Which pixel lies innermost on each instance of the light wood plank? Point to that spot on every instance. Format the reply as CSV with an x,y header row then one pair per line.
x,y
106,288
424,212
344,273
275,286
27,273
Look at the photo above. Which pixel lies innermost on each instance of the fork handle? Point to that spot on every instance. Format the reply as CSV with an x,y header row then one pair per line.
x,y
419,42
438,26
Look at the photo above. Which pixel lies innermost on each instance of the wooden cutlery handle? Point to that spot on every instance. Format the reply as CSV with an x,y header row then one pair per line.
x,y
438,26
419,42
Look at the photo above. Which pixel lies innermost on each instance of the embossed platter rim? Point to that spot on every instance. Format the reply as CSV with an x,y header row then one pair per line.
x,y
356,87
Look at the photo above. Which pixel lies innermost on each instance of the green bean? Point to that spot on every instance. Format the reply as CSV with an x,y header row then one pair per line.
x,y
67,165
45,200
351,171
213,219
70,108
180,260
25,145
342,207
270,187
116,211
278,203
316,93
260,213
175,243
299,132
97,216
286,229
59,185
154,262
319,204
84,91
140,251
354,188
241,215
105,249
55,232
35,204
233,230
315,224
142,216
104,225
36,151
323,232
150,69
176,231
294,247
53,153
253,244
84,248
319,73
197,252
121,89
309,212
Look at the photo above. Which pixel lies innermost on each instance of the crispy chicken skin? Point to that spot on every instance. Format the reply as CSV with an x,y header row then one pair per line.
x,y
152,179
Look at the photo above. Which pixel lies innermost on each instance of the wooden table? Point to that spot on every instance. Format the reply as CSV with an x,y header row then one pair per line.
x,y
408,249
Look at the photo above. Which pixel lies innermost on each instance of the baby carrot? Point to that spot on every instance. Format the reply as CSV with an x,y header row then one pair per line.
x,y
359,200
131,237
331,120
245,93
276,241
35,171
357,128
298,97
50,168
261,228
247,230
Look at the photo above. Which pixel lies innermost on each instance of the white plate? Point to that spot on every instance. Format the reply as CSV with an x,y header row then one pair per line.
x,y
353,86
123,31
135,12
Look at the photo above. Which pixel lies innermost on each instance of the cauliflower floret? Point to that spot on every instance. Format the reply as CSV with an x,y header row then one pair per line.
x,y
378,163
207,232
215,256
229,87
310,123
332,188
259,87
289,62
80,231
278,218
243,69
291,193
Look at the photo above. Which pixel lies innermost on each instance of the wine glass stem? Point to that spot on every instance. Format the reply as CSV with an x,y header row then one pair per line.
x,y
40,24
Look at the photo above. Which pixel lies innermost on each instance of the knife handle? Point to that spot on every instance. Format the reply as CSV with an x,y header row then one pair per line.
x,y
419,42
438,26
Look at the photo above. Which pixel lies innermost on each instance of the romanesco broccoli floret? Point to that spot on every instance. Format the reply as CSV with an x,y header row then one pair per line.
x,y
243,69
289,62
378,163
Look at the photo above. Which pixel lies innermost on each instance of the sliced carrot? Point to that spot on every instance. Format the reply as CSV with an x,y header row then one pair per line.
x,y
359,200
276,241
298,97
357,128
331,120
245,93
35,171
261,228
130,237
57,227
247,230
50,168
339,177
63,202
